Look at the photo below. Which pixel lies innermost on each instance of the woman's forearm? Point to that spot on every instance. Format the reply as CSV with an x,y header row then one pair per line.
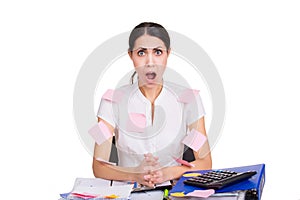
x,y
137,174
110,172
175,172
202,164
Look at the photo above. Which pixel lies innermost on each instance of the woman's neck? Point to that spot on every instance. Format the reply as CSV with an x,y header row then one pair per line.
x,y
151,93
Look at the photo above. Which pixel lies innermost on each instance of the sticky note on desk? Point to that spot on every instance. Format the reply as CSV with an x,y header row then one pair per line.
x,y
112,196
201,193
84,195
194,140
191,174
178,194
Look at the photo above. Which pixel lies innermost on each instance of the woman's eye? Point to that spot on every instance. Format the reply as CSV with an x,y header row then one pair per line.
x,y
141,53
158,52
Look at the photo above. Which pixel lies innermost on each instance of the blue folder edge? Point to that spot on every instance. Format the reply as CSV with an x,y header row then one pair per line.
x,y
255,182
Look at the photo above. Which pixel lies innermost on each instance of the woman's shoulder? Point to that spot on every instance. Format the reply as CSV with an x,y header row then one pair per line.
x,y
177,89
183,93
116,95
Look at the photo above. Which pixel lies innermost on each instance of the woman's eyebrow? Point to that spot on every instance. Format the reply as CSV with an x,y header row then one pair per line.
x,y
146,48
157,48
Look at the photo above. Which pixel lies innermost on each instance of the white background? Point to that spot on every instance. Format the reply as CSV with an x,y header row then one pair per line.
x,y
255,46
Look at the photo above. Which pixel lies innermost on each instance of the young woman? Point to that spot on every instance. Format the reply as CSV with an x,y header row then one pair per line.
x,y
151,118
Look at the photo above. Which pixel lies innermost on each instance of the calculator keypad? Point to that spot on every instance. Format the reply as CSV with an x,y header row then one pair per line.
x,y
218,178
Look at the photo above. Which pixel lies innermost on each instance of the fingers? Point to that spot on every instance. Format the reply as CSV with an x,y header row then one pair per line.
x,y
150,158
151,173
157,177
147,181
154,177
150,163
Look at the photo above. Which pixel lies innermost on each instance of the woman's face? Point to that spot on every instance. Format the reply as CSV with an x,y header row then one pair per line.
x,y
149,57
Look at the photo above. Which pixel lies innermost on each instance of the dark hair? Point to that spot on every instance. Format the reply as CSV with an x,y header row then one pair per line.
x,y
148,28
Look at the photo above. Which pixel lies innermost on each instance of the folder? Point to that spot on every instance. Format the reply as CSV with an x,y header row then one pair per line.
x,y
250,189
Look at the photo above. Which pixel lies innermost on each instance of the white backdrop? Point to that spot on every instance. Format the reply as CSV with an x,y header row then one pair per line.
x,y
255,46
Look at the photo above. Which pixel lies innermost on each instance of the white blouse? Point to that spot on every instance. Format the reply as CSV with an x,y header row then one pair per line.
x,y
130,112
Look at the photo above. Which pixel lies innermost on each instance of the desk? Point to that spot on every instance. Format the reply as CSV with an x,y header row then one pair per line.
x,y
151,195
102,186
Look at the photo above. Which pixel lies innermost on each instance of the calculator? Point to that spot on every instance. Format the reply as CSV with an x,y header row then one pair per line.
x,y
218,179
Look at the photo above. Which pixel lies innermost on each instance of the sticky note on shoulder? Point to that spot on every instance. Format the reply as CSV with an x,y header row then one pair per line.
x,y
194,140
112,95
100,132
188,96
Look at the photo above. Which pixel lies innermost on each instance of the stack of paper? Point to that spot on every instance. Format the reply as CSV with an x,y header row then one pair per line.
x,y
97,189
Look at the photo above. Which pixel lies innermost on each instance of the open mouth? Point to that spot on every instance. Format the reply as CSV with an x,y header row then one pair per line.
x,y
151,75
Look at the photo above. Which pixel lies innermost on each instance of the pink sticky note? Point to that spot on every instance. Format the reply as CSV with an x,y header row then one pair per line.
x,y
136,122
112,95
188,95
84,195
100,132
194,140
201,193
104,161
183,162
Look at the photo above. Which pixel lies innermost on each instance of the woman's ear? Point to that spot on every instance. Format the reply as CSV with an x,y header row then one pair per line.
x,y
130,54
169,51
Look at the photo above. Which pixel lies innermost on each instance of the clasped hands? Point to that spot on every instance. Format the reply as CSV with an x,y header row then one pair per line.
x,y
149,171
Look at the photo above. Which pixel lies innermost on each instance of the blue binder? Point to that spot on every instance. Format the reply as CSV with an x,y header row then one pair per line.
x,y
253,187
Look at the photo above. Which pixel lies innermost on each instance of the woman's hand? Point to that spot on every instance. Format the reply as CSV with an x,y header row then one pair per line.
x,y
147,170
156,174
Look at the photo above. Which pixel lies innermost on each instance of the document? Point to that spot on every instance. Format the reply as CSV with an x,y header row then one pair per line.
x,y
99,188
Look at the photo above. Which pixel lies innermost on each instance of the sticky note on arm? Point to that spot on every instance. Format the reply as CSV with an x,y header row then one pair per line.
x,y
100,132
194,140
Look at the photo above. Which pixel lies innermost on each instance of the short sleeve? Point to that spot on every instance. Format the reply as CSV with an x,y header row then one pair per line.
x,y
194,109
105,111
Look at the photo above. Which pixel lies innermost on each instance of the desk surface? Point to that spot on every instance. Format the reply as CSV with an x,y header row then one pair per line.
x,y
150,195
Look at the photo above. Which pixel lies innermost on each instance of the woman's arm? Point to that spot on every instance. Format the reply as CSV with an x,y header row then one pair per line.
x,y
135,174
202,159
110,172
203,156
